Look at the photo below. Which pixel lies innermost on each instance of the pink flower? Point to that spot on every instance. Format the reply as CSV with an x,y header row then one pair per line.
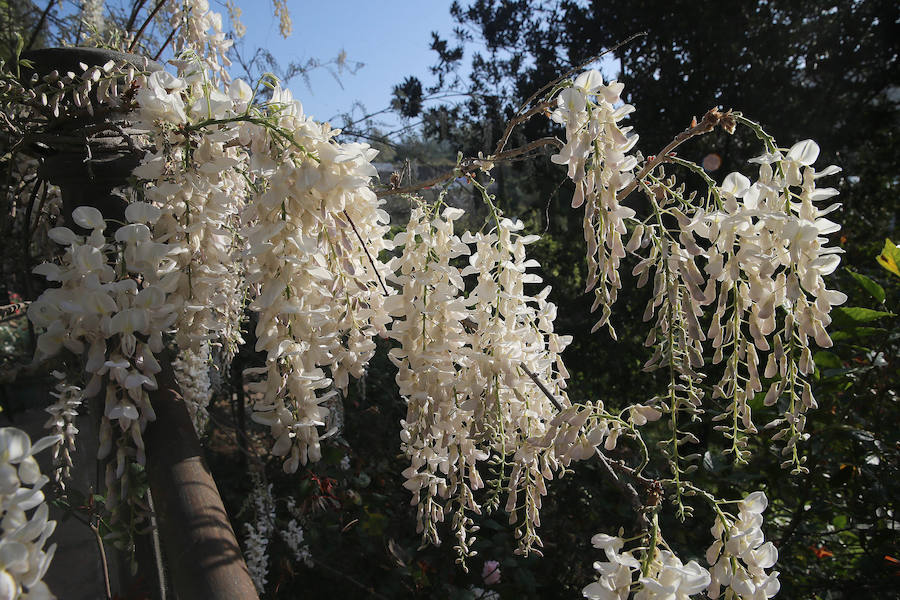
x,y
490,574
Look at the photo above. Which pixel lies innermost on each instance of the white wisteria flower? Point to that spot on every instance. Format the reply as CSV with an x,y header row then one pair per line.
x,y
23,559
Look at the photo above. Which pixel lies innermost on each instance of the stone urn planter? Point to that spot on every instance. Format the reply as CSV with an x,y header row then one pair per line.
x,y
86,155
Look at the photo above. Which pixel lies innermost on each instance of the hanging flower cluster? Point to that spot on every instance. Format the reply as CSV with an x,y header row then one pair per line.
x,y
254,205
768,251
463,362
738,560
258,533
264,529
63,412
23,560
200,34
313,237
660,576
192,376
740,555
114,322
595,152
195,190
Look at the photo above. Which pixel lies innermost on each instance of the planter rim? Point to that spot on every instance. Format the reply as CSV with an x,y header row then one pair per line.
x,y
67,59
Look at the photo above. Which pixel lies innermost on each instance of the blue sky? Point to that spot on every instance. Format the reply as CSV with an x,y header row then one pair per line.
x,y
392,38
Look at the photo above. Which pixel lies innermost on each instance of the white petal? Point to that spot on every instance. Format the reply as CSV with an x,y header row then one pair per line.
x,y
142,212
589,81
62,235
14,444
805,152
88,217
133,233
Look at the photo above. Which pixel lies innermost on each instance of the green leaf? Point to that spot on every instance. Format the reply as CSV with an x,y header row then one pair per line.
x,y
20,45
827,360
854,314
890,257
855,332
875,290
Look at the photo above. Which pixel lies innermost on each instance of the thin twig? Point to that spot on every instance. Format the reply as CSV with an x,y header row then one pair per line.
x,y
522,117
469,165
134,13
409,189
627,488
366,248
103,562
166,43
542,387
40,25
712,118
140,32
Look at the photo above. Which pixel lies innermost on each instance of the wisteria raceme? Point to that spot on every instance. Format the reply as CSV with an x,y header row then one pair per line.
x,y
595,152
313,236
462,368
191,371
63,412
259,533
659,576
433,372
117,325
616,574
200,36
769,256
740,555
195,182
23,560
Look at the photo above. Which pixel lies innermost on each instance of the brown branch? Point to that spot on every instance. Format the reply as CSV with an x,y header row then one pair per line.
x,y
166,43
104,565
710,120
522,117
469,165
542,387
418,186
140,32
134,13
40,25
625,487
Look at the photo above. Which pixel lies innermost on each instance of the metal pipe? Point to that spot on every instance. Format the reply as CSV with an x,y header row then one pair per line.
x,y
200,547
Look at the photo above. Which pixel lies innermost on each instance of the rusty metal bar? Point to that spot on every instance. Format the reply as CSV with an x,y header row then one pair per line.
x,y
200,548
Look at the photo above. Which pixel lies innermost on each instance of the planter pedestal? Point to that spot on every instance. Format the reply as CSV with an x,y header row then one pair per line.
x,y
201,552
